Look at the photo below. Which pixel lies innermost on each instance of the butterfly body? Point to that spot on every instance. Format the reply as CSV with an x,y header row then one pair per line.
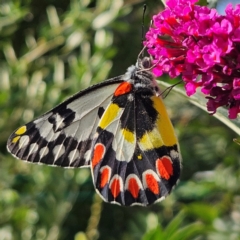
x,y
120,128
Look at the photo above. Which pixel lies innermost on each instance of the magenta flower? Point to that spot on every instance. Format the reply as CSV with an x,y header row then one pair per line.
x,y
203,47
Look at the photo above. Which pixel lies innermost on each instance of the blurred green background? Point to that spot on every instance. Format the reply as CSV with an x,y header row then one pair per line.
x,y
51,49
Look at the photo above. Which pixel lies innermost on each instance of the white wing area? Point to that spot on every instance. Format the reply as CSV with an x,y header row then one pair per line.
x,y
63,136
124,141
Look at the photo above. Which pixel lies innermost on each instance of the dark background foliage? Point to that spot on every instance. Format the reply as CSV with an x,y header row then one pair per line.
x,y
48,51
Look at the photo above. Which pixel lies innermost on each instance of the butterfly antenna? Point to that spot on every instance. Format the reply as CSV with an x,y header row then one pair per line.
x,y
143,31
143,22
165,93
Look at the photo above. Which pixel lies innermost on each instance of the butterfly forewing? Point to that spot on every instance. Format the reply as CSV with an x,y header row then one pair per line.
x,y
63,136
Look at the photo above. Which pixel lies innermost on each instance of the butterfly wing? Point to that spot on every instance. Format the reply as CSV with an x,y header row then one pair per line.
x,y
135,156
63,136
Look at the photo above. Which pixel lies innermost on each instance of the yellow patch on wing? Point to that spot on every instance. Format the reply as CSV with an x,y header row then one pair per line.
x,y
163,132
128,135
151,139
21,130
163,123
109,115
14,140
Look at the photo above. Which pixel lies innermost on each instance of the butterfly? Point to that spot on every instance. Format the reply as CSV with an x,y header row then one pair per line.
x,y
119,128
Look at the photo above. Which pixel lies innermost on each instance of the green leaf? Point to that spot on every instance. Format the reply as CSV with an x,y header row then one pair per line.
x,y
175,231
188,232
174,225
154,234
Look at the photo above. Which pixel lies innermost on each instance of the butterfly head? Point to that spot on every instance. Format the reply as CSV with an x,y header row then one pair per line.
x,y
144,63
141,75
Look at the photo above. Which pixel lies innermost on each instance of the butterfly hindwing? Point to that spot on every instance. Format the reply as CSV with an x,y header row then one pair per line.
x,y
133,162
63,136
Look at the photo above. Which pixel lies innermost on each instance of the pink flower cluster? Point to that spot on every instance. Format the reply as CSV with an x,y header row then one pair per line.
x,y
202,46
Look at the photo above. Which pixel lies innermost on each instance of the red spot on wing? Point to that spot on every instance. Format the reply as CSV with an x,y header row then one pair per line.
x,y
152,183
98,154
164,167
105,175
123,88
133,187
115,187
